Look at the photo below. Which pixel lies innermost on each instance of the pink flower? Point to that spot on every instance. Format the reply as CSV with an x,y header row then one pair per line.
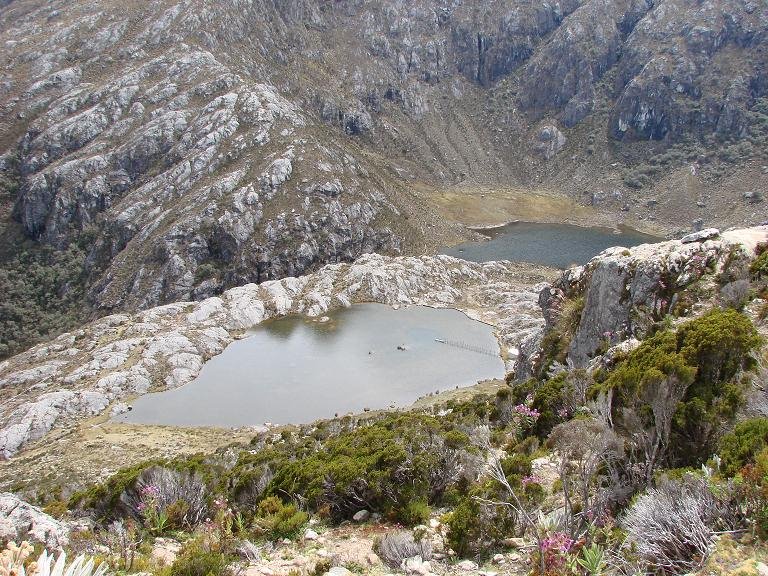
x,y
532,479
149,491
524,410
557,542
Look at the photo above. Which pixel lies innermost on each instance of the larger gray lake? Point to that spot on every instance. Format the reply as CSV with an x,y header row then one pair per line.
x,y
297,369
558,245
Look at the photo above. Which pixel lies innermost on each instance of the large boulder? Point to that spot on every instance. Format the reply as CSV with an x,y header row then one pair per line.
x,y
549,141
22,521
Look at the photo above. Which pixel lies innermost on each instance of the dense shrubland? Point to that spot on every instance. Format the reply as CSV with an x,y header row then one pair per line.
x,y
618,436
43,295
716,157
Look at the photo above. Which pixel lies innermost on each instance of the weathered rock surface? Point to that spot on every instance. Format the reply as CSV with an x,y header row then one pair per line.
x,y
550,141
22,521
194,146
80,374
625,290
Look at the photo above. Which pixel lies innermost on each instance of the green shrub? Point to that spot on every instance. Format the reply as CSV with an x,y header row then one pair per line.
x,y
385,465
752,492
105,497
703,357
277,520
759,267
205,271
475,527
740,447
43,294
195,560
414,513
557,340
548,399
718,343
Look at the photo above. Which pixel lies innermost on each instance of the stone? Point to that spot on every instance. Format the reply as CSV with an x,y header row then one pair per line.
x,y
20,520
762,569
497,558
310,534
515,543
467,565
549,141
700,236
414,565
165,551
361,516
339,571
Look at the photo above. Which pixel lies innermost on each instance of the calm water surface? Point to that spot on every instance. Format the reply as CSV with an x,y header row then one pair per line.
x,y
558,245
296,369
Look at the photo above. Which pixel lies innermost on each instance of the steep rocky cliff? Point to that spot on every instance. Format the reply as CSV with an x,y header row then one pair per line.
x,y
194,146
619,295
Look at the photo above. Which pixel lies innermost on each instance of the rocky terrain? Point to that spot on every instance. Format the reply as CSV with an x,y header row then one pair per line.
x,y
189,147
622,293
82,373
57,396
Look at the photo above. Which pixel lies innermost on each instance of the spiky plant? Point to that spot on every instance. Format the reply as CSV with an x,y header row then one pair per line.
x,y
82,566
13,558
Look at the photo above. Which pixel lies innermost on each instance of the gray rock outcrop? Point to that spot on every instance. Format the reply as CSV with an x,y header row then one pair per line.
x,y
195,146
22,521
624,291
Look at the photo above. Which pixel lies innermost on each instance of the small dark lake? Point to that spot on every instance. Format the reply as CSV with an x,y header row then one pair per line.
x,y
297,369
558,245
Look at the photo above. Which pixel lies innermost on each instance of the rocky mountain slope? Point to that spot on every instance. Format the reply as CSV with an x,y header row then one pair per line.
x,y
193,146
82,373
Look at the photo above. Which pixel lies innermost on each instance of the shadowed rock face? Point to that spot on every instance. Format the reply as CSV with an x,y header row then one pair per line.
x,y
202,145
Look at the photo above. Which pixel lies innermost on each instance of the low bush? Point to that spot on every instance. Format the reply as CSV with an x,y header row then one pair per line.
x,y
169,497
277,520
672,528
681,385
382,466
739,448
759,267
196,560
752,490
414,513
483,518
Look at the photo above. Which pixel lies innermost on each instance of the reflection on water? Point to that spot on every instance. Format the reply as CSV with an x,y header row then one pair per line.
x,y
299,369
558,245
